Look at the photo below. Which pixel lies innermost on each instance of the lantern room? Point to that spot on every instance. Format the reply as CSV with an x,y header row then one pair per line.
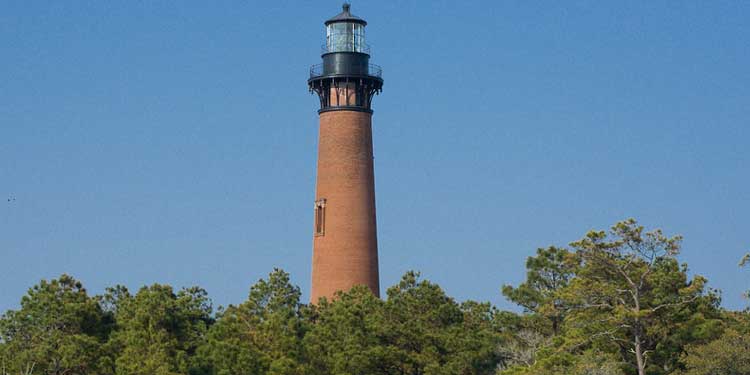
x,y
345,33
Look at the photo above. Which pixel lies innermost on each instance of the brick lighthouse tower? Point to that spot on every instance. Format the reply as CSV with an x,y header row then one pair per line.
x,y
345,245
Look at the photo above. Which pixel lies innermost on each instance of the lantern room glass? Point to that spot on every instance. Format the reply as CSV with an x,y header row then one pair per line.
x,y
345,37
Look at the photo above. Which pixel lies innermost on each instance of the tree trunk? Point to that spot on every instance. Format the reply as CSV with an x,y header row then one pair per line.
x,y
639,355
637,330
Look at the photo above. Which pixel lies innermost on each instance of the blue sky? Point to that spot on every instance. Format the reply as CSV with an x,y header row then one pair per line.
x,y
168,142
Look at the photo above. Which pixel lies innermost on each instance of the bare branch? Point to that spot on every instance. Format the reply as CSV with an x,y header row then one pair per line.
x,y
664,305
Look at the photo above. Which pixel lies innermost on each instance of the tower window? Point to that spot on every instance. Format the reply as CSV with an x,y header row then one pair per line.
x,y
320,217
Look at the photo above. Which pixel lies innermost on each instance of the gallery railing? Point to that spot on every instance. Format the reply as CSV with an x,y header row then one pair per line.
x,y
370,70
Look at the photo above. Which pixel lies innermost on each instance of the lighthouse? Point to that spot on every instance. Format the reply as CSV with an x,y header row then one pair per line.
x,y
345,244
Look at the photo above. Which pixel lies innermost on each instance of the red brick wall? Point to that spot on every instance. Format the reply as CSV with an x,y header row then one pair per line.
x,y
347,253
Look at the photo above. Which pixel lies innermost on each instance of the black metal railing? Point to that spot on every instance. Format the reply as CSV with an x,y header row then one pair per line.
x,y
373,70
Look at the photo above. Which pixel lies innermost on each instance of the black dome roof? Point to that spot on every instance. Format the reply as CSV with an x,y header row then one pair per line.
x,y
345,16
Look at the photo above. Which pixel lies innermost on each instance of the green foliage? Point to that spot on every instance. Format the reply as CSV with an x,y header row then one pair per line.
x,y
631,293
590,362
435,335
346,337
616,303
417,330
729,355
745,261
262,335
546,275
59,329
158,332
624,296
596,363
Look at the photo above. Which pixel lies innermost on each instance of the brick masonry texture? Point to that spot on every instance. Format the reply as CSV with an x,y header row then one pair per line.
x,y
347,253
